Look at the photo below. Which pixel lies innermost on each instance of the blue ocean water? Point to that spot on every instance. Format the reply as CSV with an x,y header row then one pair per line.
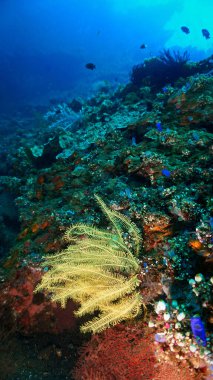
x,y
45,44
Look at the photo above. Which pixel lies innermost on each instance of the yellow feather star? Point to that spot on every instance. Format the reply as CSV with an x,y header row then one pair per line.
x,y
98,271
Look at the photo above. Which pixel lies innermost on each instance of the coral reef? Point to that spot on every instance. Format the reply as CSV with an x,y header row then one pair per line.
x,y
146,149
166,69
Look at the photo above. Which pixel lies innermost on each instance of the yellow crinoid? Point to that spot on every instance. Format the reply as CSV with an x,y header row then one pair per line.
x,y
99,271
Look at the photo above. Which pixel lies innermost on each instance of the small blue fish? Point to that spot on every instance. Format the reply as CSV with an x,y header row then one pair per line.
x,y
128,193
134,141
198,330
196,136
146,267
159,126
70,212
166,172
170,254
211,222
165,89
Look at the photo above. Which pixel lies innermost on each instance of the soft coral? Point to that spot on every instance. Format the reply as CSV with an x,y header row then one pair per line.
x,y
121,353
129,353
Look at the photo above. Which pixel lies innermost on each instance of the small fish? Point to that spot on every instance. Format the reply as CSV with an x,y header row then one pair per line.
x,y
134,143
166,172
146,267
159,126
143,46
165,89
128,193
185,29
198,330
90,66
195,136
206,34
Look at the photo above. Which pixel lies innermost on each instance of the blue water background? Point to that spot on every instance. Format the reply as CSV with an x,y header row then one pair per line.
x,y
45,44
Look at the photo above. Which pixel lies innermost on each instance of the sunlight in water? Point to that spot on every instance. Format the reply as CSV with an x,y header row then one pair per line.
x,y
118,5
196,15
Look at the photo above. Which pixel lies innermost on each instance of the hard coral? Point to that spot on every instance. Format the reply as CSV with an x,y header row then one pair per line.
x,y
193,102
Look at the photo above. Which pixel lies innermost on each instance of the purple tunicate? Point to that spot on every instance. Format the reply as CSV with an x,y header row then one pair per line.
x,y
198,330
211,223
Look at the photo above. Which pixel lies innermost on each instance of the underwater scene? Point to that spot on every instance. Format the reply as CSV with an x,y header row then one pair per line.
x,y
106,201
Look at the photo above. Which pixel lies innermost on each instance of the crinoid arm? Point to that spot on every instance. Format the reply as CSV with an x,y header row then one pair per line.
x,y
122,224
126,308
110,294
98,271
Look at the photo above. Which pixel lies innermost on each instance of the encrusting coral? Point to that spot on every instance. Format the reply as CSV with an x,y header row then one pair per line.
x,y
99,271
